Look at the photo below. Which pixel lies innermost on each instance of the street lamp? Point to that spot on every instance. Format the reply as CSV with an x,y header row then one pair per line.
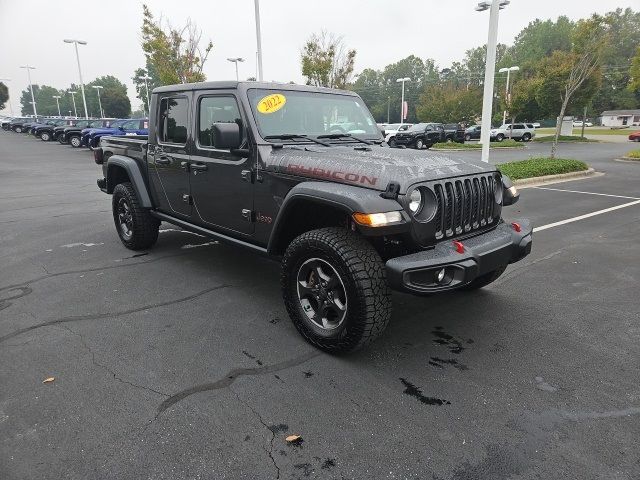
x,y
146,79
84,99
494,8
258,40
73,99
58,97
236,60
402,80
10,104
28,68
506,90
98,88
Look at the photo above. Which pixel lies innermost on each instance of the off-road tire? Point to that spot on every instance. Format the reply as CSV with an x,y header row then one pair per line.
x,y
45,136
75,141
363,276
484,280
144,228
419,144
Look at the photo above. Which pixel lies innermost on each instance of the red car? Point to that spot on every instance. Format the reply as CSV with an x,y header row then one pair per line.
x,y
635,136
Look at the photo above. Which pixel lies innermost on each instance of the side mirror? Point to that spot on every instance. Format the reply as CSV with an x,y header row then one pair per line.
x,y
226,136
510,193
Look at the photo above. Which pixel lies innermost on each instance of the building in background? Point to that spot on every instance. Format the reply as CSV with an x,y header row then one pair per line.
x,y
620,118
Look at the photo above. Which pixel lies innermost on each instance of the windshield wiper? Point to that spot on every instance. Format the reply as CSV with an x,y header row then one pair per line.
x,y
294,136
346,135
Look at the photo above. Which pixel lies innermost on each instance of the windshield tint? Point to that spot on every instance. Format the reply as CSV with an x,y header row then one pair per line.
x,y
280,112
418,127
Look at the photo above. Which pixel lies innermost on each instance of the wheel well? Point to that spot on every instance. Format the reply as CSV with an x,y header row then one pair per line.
x,y
115,175
306,215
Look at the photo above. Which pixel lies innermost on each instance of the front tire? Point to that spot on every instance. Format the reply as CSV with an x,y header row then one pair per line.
x,y
18,129
335,289
526,137
45,136
484,280
137,229
419,144
499,137
75,141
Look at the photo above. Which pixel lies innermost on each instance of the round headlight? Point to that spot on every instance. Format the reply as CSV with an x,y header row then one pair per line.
x,y
415,200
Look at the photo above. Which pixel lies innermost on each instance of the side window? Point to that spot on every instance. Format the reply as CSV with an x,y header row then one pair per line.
x,y
518,127
173,122
216,110
131,125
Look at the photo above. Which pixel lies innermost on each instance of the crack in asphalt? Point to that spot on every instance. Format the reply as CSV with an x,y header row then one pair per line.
x,y
105,367
97,316
271,430
232,376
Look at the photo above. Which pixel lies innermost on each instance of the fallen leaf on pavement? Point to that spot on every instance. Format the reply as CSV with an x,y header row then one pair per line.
x,y
293,438
49,380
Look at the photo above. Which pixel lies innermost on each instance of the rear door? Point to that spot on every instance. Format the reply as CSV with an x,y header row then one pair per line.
x,y
167,154
221,182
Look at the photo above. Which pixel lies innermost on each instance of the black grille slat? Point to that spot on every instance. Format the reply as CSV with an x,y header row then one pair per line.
x,y
464,205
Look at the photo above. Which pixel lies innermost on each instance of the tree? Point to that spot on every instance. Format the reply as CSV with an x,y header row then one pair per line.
x,y
4,95
326,62
584,61
141,87
523,99
449,104
113,96
175,54
45,103
634,73
538,40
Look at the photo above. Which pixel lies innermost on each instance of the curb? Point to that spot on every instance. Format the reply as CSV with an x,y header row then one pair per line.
x,y
475,149
561,177
632,159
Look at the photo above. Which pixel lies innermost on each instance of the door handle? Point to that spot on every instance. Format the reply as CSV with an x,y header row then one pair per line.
x,y
199,167
163,161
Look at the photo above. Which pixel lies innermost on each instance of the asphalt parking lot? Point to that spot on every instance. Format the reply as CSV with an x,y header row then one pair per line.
x,y
181,362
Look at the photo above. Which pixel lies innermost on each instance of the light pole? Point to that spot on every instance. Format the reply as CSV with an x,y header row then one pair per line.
x,y
489,71
58,97
73,99
98,88
258,39
10,104
146,79
236,60
28,68
84,99
506,90
402,80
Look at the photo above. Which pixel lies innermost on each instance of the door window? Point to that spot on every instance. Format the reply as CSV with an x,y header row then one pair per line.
x,y
223,109
174,119
131,125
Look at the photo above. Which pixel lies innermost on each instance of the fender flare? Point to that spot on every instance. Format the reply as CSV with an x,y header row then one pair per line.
x,y
348,198
135,176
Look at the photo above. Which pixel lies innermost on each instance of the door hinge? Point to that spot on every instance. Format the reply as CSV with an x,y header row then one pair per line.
x,y
187,198
247,215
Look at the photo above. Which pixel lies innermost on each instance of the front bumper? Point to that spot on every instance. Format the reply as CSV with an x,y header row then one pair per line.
x,y
418,272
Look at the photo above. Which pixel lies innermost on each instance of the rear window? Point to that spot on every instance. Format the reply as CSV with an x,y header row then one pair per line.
x,y
174,120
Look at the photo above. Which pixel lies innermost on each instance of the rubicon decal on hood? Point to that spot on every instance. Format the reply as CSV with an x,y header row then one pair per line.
x,y
331,175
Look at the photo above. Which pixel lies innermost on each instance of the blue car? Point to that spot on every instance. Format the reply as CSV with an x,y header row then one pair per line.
x,y
134,126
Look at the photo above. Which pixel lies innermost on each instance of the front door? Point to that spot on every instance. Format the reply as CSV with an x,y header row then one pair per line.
x,y
221,181
168,158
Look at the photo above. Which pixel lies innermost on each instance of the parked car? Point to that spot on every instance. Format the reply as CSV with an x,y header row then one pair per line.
x,y
348,217
536,124
635,136
578,123
135,126
421,135
454,132
392,129
517,131
5,122
18,124
472,133
73,135
45,131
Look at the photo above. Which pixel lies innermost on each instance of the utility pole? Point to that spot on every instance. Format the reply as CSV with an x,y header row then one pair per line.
x,y
489,71
402,80
28,68
388,108
258,40
236,60
84,99
58,97
146,79
507,95
98,88
73,99
584,120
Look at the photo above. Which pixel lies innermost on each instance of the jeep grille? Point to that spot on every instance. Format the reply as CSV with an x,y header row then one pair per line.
x,y
464,205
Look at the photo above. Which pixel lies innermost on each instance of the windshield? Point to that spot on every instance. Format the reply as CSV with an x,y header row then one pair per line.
x,y
115,124
288,112
418,127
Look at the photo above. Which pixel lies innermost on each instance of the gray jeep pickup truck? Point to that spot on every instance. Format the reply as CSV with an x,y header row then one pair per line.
x,y
303,174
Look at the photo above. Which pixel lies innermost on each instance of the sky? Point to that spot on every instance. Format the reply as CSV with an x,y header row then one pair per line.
x,y
382,32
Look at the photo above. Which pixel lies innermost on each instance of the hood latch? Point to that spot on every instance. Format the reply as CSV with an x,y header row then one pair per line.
x,y
392,191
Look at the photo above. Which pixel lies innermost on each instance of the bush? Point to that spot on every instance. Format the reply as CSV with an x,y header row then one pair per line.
x,y
634,154
540,167
564,138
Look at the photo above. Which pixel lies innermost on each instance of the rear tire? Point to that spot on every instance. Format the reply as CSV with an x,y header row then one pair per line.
x,y
335,289
137,229
45,136
419,144
392,142
17,129
499,137
467,138
484,280
75,141
526,137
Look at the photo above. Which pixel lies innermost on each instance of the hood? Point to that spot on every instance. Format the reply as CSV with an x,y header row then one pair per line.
x,y
372,168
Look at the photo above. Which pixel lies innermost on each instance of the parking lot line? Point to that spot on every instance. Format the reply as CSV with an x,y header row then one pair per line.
x,y
586,193
587,215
